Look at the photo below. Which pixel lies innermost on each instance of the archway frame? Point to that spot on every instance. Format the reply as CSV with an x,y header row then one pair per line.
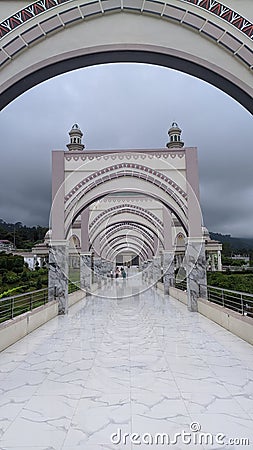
x,y
215,25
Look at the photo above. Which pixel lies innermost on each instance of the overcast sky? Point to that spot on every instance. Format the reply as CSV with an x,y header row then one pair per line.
x,y
128,106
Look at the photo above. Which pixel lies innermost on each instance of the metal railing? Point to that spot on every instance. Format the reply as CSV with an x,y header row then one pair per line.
x,y
181,284
15,305
73,286
240,302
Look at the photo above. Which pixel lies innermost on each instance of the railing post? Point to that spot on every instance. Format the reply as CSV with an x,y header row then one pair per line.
x,y
31,302
12,307
222,297
242,305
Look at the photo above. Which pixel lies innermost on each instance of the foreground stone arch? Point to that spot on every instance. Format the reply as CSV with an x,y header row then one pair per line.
x,y
203,38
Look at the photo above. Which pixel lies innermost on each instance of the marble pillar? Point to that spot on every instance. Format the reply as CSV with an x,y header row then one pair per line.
x,y
85,272
156,269
106,267
219,261
144,271
150,271
168,271
213,265
58,275
98,271
196,272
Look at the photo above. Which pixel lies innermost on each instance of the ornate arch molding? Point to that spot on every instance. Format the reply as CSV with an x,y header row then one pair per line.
x,y
118,239
111,237
155,7
123,209
123,169
133,247
141,229
98,196
209,18
148,232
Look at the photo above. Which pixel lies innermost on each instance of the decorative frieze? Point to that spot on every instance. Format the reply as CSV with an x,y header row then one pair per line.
x,y
213,7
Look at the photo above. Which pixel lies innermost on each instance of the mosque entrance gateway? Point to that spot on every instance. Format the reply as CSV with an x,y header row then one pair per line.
x,y
127,207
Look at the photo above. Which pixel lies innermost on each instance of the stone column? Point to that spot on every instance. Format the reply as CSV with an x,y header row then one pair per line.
x,y
156,269
151,271
85,231
168,271
196,272
144,271
213,267
85,272
219,261
58,274
98,271
106,267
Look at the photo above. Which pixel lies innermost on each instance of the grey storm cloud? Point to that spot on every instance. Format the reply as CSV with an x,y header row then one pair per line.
x,y
128,106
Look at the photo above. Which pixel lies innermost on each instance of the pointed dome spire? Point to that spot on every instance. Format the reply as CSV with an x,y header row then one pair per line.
x,y
175,136
75,135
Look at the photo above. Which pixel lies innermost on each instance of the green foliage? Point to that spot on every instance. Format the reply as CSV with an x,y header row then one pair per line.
x,y
233,245
233,262
39,284
25,237
242,282
12,291
14,274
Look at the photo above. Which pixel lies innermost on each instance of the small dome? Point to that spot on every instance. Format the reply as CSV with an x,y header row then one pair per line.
x,y
75,135
174,133
48,236
174,126
205,233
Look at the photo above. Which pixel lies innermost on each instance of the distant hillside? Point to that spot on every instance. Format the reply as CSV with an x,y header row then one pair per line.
x,y
24,237
235,244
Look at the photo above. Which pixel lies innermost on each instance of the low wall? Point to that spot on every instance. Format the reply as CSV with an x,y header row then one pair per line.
x,y
13,330
178,294
76,297
241,326
160,286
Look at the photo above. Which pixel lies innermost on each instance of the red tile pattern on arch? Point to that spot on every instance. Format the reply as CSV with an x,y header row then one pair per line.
x,y
214,7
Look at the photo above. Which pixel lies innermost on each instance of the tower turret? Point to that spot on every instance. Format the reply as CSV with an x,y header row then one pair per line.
x,y
75,135
175,137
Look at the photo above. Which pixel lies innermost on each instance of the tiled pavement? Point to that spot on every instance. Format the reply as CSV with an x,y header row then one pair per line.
x,y
139,364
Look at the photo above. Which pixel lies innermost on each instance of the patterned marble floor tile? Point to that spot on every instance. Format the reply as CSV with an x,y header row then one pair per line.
x,y
44,420
140,364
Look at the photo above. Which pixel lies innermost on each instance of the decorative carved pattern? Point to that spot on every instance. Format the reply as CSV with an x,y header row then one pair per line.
x,y
164,154
138,211
134,168
130,226
27,13
126,207
214,7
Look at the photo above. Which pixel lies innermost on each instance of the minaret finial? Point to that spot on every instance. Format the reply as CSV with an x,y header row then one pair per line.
x,y
175,136
75,135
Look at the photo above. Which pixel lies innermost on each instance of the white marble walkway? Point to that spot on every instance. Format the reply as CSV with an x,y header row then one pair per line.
x,y
141,364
